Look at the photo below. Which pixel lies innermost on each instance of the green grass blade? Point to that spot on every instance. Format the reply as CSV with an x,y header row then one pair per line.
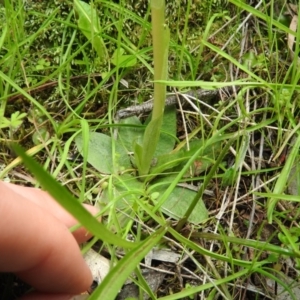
x,y
85,137
3,36
112,283
284,197
207,179
261,15
196,290
70,203
248,243
26,95
282,180
201,250
276,276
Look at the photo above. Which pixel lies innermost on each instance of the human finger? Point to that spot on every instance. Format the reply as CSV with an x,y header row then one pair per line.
x,y
45,201
38,248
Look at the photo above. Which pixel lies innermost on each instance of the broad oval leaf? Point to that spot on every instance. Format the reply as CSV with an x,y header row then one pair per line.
x,y
178,202
129,135
100,153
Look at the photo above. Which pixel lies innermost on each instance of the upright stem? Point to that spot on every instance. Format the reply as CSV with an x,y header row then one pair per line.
x,y
160,35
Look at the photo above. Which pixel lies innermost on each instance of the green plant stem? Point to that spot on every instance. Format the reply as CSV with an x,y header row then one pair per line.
x,y
160,52
161,37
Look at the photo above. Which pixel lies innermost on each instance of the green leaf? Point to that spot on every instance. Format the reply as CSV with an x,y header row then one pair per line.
x,y
88,23
168,161
123,61
101,155
282,179
205,158
207,179
124,187
17,119
229,177
40,136
138,155
122,197
257,13
144,155
293,184
67,201
113,282
4,122
249,59
167,138
179,200
131,134
179,157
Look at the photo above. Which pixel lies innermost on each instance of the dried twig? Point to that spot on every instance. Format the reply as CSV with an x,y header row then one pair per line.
x,y
171,100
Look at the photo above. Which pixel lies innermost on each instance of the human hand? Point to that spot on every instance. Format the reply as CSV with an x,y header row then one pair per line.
x,y
37,246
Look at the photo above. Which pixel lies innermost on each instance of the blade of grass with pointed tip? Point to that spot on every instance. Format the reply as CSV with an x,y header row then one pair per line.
x,y
85,150
70,203
264,246
112,283
261,15
201,250
282,180
284,197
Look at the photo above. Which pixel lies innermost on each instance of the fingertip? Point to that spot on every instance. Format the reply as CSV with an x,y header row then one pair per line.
x,y
45,255
86,278
92,209
63,272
